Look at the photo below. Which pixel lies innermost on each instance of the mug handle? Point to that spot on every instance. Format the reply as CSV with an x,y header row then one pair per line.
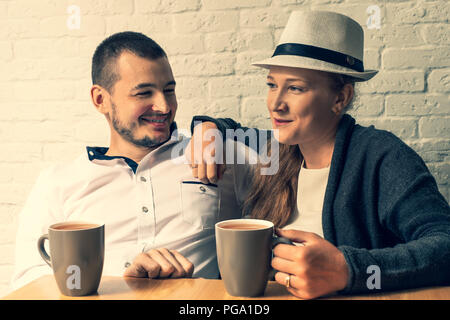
x,y
276,240
41,249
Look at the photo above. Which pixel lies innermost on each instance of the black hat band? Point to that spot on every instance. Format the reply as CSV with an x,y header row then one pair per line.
x,y
304,50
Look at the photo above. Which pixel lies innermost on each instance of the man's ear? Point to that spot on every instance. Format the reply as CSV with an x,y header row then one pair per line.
x,y
100,99
344,97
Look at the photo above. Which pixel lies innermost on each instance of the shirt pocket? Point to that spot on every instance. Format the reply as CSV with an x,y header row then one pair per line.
x,y
200,204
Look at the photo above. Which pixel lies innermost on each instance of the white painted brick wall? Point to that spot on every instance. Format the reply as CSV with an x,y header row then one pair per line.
x,y
46,115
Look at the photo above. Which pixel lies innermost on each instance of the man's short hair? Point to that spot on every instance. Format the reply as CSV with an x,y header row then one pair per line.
x,y
104,71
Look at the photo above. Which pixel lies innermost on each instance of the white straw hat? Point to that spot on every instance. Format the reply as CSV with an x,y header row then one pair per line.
x,y
321,40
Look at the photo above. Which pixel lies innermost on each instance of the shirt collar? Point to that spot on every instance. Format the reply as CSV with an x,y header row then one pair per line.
x,y
99,153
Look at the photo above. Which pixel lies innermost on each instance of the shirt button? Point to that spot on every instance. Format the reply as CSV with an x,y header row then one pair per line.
x,y
145,209
127,264
202,189
143,179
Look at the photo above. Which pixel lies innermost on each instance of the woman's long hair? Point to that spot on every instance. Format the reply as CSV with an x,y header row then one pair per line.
x,y
274,197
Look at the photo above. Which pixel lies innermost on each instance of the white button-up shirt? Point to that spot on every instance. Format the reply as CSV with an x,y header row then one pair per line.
x,y
154,204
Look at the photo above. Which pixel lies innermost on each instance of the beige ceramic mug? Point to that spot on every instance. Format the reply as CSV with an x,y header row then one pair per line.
x,y
244,253
76,256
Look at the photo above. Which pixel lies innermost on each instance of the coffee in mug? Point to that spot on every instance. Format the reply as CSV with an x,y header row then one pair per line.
x,y
76,256
244,226
76,226
244,252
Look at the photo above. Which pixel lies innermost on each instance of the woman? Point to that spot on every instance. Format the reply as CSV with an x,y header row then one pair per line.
x,y
370,213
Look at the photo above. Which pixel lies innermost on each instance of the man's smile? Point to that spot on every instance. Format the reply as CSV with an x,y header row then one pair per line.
x,y
156,120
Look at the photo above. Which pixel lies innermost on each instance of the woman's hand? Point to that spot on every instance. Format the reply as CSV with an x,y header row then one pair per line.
x,y
317,268
201,153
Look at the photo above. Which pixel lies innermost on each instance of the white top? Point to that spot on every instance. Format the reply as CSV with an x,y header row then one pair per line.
x,y
312,184
159,205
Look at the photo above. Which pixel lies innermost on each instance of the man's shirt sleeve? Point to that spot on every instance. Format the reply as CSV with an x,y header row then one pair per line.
x,y
40,210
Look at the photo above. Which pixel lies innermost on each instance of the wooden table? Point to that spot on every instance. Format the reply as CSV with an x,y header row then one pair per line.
x,y
118,288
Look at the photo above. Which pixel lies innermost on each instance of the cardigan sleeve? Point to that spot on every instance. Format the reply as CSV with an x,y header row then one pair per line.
x,y
253,138
222,123
411,209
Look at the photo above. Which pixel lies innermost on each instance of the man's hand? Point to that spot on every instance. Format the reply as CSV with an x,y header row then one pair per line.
x,y
160,263
317,268
201,152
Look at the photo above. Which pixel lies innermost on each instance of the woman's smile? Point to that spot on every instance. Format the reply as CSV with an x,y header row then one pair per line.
x,y
278,122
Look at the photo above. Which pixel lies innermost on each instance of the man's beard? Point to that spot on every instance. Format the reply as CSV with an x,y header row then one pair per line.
x,y
128,132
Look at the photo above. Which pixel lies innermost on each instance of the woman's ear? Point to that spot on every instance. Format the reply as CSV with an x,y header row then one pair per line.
x,y
100,98
344,97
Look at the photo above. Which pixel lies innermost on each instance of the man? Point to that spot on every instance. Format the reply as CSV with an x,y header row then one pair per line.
x,y
159,221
